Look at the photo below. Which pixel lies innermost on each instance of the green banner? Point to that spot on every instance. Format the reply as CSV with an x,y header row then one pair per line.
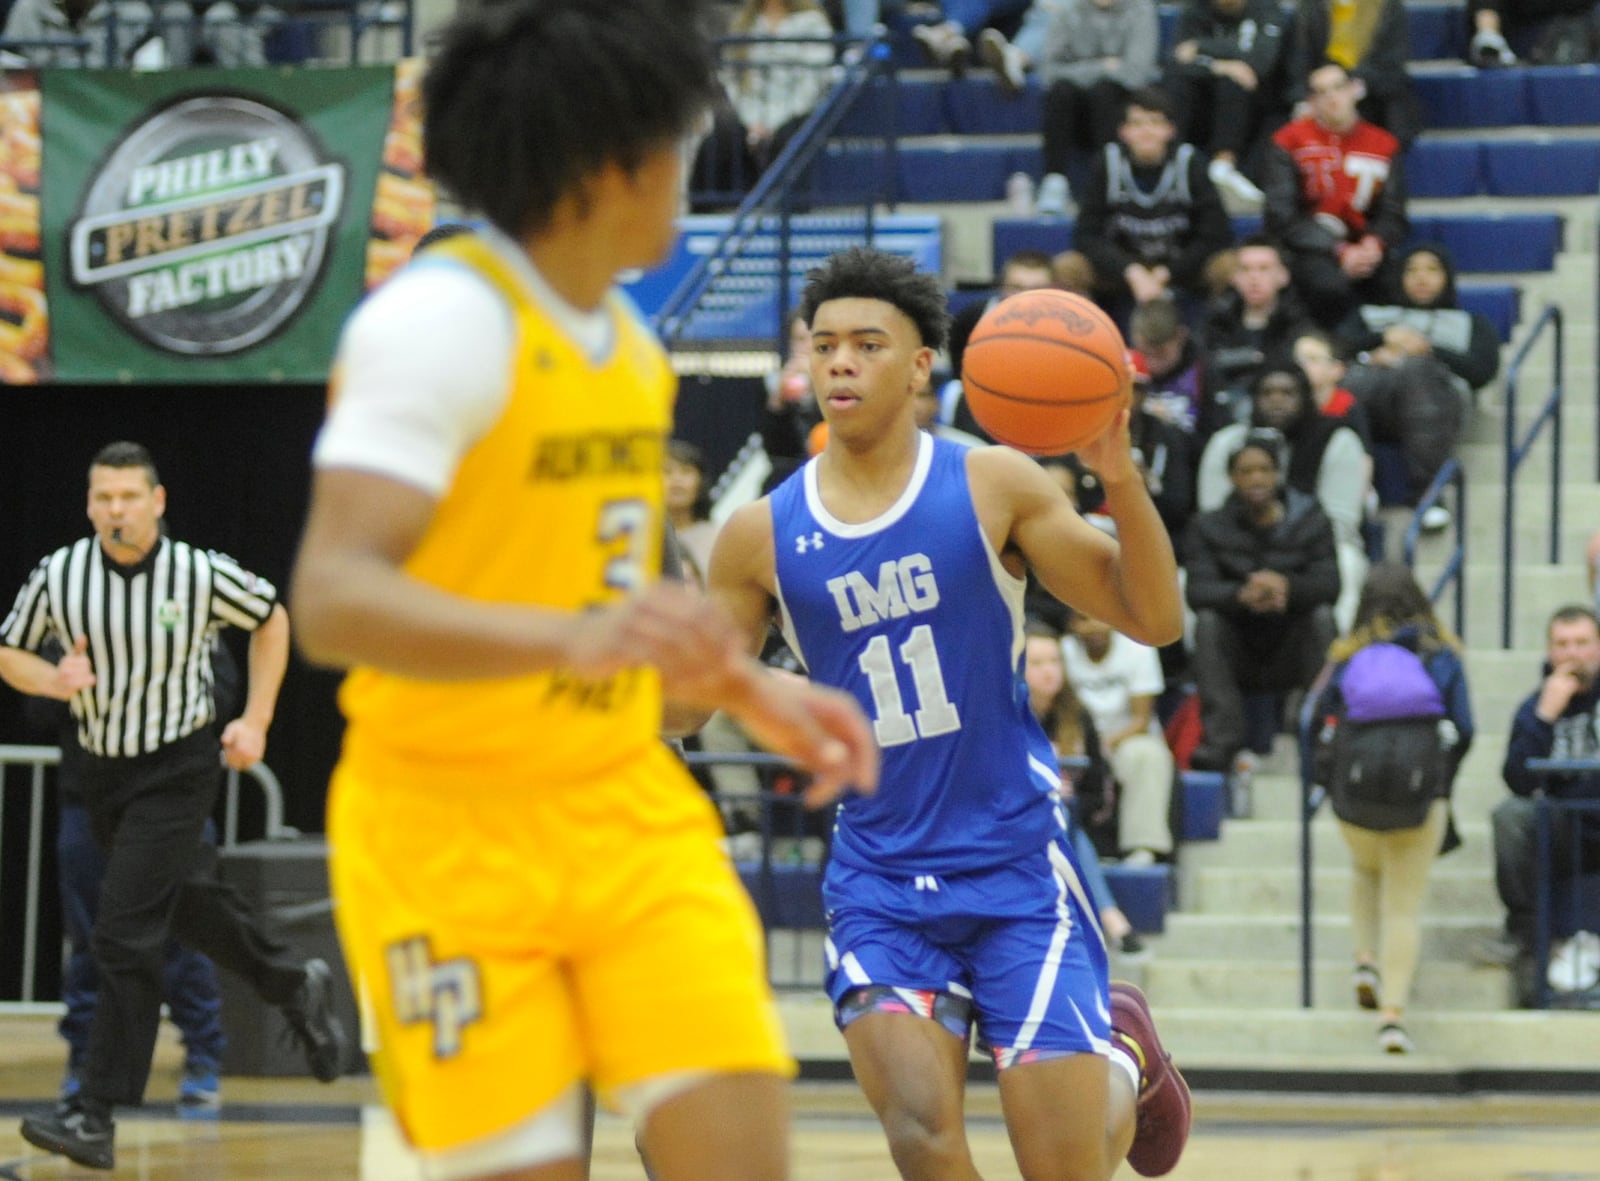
x,y
201,226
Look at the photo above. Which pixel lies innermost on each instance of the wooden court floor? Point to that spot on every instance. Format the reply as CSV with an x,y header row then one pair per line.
x,y
295,1130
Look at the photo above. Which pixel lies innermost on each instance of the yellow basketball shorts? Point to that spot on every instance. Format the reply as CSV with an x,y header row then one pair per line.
x,y
510,942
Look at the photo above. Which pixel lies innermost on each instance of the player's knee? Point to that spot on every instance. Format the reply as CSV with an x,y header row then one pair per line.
x,y
924,1141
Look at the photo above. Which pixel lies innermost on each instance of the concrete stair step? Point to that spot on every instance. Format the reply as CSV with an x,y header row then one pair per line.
x,y
1219,984
1227,890
1258,844
1482,1039
1254,939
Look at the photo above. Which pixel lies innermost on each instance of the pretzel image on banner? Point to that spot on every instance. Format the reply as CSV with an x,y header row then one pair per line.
x,y
403,203
24,314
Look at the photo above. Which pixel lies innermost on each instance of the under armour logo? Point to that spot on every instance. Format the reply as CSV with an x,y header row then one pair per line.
x,y
926,882
804,543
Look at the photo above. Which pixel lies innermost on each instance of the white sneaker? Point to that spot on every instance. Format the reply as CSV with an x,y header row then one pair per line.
x,y
1489,48
1005,59
1019,194
945,45
1055,194
1434,518
1230,181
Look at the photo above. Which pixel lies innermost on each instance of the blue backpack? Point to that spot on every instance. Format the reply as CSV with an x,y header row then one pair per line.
x,y
1382,753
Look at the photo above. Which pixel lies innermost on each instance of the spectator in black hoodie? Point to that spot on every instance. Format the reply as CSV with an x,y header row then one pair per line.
x,y
1150,222
1262,578
1261,315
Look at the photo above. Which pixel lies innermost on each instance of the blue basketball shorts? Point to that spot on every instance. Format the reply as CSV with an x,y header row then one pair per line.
x,y
1016,949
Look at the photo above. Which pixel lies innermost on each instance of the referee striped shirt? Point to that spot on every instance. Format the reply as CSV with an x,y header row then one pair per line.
x,y
150,628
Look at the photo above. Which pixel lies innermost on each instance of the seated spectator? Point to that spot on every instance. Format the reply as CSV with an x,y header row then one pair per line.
x,y
772,85
1336,199
949,42
1150,223
925,407
1071,731
1225,78
214,34
1118,681
1177,364
1371,41
688,502
1317,354
1164,452
1323,458
791,407
1095,52
1026,270
110,43
1545,32
1263,575
1259,316
1561,720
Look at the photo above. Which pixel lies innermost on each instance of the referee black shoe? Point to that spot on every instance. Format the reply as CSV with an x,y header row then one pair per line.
x,y
79,1129
311,1018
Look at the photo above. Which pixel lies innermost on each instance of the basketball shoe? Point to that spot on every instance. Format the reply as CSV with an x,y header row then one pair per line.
x,y
1164,1106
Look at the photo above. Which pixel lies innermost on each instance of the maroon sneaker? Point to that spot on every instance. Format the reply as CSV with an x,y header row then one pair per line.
x,y
1164,1107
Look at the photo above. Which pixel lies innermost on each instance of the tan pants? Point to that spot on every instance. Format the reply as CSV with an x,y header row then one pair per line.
x,y
1391,877
1143,767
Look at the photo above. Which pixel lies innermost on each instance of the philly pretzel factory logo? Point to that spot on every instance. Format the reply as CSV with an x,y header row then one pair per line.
x,y
206,228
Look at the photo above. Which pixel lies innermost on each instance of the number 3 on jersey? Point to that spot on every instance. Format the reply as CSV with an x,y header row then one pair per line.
x,y
893,726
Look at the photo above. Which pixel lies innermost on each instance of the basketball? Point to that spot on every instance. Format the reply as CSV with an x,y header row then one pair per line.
x,y
1045,371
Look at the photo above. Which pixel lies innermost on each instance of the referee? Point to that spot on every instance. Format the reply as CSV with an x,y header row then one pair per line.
x,y
135,612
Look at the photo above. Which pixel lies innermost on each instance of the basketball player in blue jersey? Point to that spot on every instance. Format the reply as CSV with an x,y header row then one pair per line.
x,y
894,562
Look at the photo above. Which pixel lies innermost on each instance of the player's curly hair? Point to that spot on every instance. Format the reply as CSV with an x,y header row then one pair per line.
x,y
865,273
523,99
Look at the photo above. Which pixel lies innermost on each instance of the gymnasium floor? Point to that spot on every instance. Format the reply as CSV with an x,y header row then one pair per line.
x,y
296,1130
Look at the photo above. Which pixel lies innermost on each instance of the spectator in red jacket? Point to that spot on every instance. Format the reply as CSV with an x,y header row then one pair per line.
x,y
1336,199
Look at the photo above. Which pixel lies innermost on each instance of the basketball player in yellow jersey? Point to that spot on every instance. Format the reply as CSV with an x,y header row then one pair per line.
x,y
530,888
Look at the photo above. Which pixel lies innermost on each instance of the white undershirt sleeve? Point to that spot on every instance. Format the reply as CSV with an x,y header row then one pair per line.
x,y
423,371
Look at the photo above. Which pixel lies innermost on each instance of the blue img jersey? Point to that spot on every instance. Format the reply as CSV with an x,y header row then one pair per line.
x,y
914,614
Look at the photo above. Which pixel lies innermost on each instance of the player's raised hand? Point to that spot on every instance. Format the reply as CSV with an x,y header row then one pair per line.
x,y
74,672
1110,455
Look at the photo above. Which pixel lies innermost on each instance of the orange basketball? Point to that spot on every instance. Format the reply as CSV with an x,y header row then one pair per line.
x,y
1045,371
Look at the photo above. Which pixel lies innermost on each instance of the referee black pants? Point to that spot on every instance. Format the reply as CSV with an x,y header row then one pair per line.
x,y
147,814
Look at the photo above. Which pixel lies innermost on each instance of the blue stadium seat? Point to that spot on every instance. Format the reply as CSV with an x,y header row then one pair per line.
x,y
1444,168
1205,802
1463,96
978,106
1437,30
1143,894
1542,167
953,171
1501,302
918,109
1050,235
1245,224
1564,96
1494,241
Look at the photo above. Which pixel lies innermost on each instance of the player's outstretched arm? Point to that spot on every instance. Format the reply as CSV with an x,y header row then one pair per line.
x,y
1130,583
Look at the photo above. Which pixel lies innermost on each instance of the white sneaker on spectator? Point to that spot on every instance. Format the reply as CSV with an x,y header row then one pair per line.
x,y
1231,182
1489,49
1005,59
1055,194
945,44
1019,194
1434,518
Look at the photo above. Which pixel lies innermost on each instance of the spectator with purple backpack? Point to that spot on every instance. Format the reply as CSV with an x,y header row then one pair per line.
x,y
1389,728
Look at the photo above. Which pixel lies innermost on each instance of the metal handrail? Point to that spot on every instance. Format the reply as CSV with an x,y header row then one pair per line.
x,y
773,188
40,757
1516,452
1545,821
1450,475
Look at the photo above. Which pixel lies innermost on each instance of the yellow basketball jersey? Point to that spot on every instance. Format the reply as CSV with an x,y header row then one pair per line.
x,y
557,505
